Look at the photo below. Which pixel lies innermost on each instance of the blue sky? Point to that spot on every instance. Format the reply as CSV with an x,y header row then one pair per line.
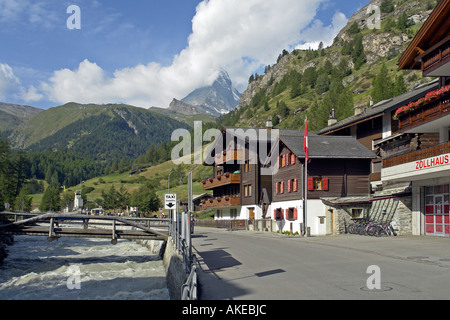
x,y
146,53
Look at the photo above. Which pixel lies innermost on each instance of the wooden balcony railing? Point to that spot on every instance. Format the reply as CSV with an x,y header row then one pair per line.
x,y
222,202
417,155
224,180
438,56
228,157
426,113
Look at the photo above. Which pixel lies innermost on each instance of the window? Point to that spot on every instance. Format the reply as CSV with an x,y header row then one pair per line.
x,y
247,166
248,190
357,213
277,214
292,185
291,214
318,183
233,213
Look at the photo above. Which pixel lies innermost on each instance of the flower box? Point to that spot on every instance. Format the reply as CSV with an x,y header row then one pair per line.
x,y
429,97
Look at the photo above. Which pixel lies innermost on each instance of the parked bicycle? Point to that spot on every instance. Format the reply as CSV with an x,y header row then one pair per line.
x,y
371,228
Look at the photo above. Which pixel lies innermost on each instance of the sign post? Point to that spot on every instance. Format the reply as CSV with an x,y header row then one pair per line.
x,y
170,203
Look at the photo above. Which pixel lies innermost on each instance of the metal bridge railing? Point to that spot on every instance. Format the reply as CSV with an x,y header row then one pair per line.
x,y
181,231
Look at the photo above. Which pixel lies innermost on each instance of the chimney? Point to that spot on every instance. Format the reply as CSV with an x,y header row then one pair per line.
x,y
359,110
332,119
269,124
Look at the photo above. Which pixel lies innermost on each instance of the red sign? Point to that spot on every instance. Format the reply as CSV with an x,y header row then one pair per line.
x,y
433,162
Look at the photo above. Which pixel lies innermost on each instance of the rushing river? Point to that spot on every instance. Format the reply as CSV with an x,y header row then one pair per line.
x,y
81,269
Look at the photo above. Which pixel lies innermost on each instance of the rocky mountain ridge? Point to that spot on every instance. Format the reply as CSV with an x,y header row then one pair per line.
x,y
380,46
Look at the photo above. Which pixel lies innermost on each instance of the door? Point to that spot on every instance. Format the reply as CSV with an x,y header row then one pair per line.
x,y
437,211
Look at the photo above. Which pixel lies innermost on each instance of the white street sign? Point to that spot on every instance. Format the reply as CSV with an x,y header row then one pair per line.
x,y
170,201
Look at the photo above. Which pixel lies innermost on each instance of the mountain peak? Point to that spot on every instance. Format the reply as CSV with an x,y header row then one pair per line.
x,y
217,99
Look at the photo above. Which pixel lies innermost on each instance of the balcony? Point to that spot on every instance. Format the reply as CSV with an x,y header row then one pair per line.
x,y
220,202
433,162
229,157
433,106
220,181
434,59
418,155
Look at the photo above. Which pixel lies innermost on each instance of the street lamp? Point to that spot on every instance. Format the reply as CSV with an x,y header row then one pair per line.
x,y
181,180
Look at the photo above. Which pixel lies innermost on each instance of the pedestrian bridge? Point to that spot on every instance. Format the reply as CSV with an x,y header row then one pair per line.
x,y
57,225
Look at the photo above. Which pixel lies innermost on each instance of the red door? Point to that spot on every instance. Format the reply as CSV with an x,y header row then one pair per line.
x,y
437,222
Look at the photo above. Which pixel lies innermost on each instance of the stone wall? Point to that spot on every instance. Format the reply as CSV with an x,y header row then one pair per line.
x,y
403,217
175,270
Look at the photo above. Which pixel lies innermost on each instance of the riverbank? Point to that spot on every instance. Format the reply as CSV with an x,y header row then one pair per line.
x,y
5,242
173,264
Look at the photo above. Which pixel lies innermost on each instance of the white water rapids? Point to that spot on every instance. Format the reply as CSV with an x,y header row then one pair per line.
x,y
36,269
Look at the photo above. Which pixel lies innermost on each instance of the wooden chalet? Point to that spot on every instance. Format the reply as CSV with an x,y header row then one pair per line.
x,y
240,189
338,167
266,181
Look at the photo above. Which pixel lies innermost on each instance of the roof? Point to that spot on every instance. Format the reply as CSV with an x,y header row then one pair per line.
x,y
382,107
435,28
324,147
320,147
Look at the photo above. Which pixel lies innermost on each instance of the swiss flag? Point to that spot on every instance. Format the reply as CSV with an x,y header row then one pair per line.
x,y
305,141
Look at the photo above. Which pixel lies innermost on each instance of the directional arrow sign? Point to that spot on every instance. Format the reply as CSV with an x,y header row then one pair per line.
x,y
170,201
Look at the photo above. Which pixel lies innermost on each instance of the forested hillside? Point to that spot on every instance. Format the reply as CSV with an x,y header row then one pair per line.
x,y
106,133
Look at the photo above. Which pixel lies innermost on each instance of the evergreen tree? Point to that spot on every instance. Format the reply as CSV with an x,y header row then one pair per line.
x,y
358,54
399,85
387,6
282,109
382,86
51,200
146,200
23,201
323,83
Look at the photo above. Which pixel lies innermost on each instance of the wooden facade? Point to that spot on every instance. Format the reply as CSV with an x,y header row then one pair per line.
x,y
326,177
237,179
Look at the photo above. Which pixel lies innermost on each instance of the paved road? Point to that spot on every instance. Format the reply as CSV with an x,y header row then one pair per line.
x,y
241,265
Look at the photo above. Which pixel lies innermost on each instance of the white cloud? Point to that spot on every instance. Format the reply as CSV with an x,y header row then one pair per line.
x,y
10,85
8,81
318,32
26,12
238,36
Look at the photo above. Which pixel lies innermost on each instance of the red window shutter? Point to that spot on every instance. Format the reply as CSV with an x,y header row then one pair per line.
x,y
275,214
282,187
292,158
284,161
289,186
277,188
295,185
326,184
295,214
310,184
